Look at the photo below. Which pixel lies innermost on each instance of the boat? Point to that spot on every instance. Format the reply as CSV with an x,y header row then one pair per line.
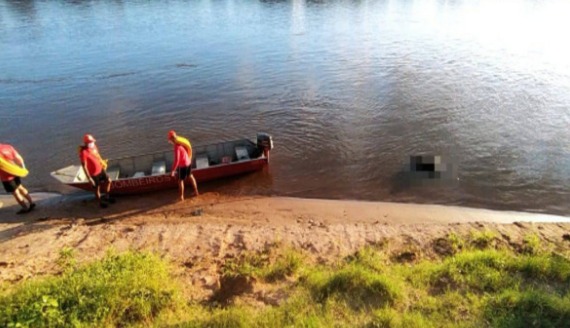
x,y
151,172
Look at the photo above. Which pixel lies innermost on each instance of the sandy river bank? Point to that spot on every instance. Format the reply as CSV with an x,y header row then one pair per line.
x,y
199,233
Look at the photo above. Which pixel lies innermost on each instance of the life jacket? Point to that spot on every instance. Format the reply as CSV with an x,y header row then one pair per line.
x,y
103,162
184,143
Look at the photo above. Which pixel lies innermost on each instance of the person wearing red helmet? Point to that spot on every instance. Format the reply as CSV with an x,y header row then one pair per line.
x,y
12,184
182,164
95,169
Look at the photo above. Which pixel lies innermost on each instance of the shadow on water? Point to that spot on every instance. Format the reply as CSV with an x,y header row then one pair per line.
x,y
25,8
400,182
424,171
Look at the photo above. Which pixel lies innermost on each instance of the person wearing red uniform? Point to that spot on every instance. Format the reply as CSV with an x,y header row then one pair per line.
x,y
95,170
13,184
182,165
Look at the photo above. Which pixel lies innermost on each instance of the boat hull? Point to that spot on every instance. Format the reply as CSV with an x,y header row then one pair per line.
x,y
128,186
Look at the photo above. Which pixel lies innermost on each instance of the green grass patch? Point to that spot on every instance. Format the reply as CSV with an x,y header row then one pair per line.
x,y
531,244
66,259
390,318
480,271
116,291
473,284
235,317
457,243
286,264
369,258
483,239
240,273
300,310
357,285
270,265
529,308
491,271
544,268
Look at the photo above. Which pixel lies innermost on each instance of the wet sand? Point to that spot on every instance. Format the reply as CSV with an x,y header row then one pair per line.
x,y
200,232
255,209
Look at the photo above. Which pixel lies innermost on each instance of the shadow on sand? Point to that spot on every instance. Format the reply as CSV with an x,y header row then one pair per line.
x,y
56,210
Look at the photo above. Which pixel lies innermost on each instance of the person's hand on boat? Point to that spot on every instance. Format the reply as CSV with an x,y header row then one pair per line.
x,y
173,173
92,182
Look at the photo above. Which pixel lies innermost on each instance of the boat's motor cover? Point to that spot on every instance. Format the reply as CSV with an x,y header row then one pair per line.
x,y
264,141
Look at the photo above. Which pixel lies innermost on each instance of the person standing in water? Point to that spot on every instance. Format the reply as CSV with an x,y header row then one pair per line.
x,y
182,164
13,184
95,170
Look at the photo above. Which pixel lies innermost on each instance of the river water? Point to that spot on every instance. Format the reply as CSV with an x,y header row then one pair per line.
x,y
348,89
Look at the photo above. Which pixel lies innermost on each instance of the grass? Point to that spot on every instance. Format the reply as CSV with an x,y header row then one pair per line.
x,y
476,284
358,286
456,242
531,244
528,308
117,290
483,239
270,265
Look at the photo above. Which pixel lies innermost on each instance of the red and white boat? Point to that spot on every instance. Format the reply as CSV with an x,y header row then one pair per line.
x,y
151,172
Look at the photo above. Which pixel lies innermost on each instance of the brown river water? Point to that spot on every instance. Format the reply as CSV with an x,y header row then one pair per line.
x,y
348,89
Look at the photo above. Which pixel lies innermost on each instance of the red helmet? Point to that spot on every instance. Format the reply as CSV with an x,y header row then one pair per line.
x,y
171,134
88,138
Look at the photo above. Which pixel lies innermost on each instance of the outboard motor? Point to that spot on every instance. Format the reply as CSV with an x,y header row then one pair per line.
x,y
265,143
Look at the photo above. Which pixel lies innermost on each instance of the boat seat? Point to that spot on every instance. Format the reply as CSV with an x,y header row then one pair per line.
x,y
158,168
138,175
80,177
241,153
113,172
202,161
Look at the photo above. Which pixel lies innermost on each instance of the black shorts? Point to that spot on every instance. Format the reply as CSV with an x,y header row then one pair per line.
x,y
101,178
11,186
184,172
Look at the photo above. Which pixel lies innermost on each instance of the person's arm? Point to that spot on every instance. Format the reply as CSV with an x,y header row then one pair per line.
x,y
175,162
91,181
19,159
84,166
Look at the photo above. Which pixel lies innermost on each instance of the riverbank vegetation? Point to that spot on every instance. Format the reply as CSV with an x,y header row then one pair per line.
x,y
474,281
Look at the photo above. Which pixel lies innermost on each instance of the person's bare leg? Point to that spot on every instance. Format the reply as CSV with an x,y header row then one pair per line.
x,y
20,199
194,185
24,192
181,189
108,190
98,195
